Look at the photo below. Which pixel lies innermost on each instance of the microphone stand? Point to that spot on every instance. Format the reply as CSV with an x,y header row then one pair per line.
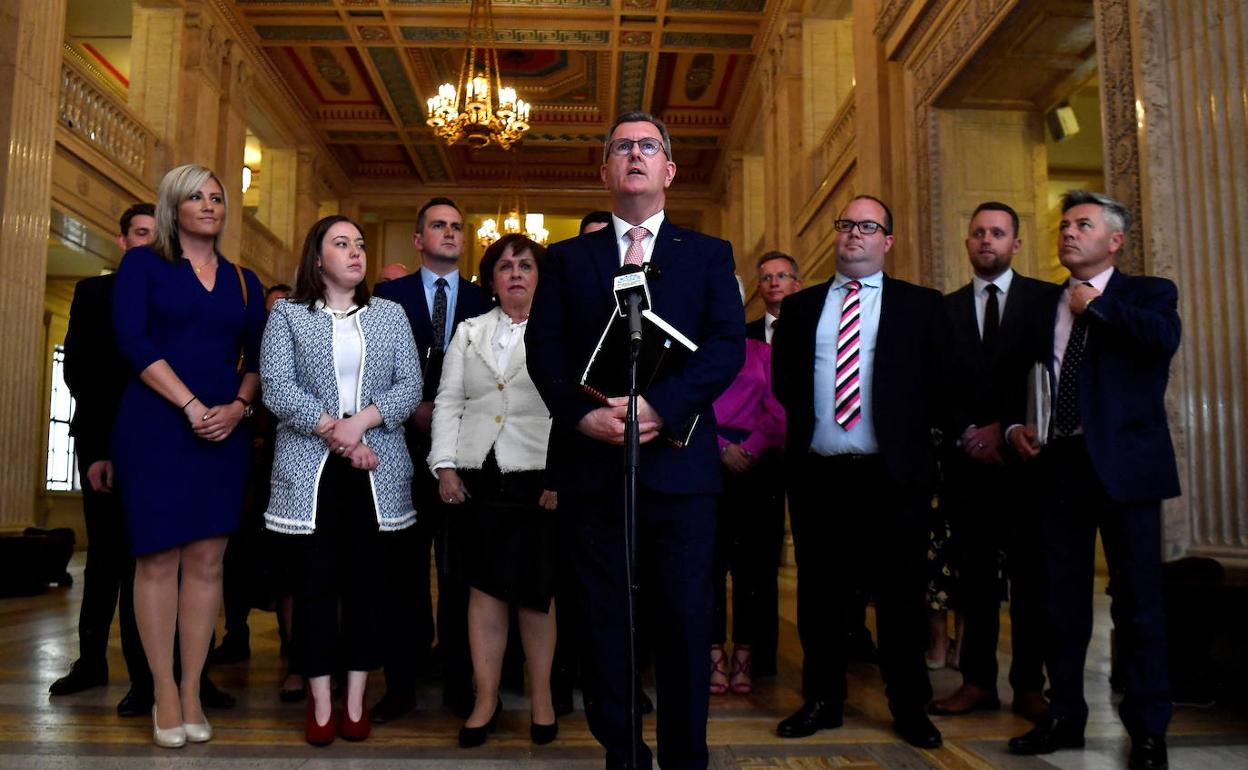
x,y
632,451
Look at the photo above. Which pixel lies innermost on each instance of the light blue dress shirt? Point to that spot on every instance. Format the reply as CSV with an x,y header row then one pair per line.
x,y
429,278
829,437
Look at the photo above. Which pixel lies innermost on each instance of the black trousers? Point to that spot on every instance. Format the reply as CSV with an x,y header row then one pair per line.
x,y
410,623
675,548
108,583
986,522
342,571
1074,506
748,541
853,529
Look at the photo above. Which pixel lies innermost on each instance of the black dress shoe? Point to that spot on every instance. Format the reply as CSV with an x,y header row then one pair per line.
x,y
1148,753
135,703
471,737
918,731
813,716
81,676
292,696
213,697
644,704
234,648
543,734
392,706
1047,737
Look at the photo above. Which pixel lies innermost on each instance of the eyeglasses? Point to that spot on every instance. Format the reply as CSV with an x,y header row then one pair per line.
x,y
649,147
776,277
866,226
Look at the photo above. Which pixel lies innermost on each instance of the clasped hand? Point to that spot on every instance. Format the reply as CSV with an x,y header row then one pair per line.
x,y
345,437
214,423
983,443
606,423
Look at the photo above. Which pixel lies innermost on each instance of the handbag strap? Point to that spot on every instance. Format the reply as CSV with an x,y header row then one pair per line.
x,y
241,283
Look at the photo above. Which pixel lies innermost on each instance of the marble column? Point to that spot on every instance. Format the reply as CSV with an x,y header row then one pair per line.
x,y
30,78
155,64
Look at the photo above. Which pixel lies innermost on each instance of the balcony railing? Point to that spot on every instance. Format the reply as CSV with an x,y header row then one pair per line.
x,y
265,253
91,112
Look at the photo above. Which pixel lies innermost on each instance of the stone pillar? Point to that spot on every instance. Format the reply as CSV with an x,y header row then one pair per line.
x,y
307,198
30,79
155,64
1189,76
278,198
828,66
231,138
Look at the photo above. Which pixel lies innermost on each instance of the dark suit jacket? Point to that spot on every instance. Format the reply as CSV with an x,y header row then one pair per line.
x,y
982,380
409,292
692,288
1133,332
95,371
909,389
757,329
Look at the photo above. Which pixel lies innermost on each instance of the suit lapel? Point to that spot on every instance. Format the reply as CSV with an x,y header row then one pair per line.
x,y
606,253
482,340
967,319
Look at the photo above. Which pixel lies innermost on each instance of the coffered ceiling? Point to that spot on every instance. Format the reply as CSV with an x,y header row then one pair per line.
x,y
363,69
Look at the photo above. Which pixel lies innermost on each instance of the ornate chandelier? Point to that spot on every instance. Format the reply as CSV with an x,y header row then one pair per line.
x,y
491,112
534,227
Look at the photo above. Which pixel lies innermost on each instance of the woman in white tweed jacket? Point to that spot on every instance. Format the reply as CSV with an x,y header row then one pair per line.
x,y
341,374
490,429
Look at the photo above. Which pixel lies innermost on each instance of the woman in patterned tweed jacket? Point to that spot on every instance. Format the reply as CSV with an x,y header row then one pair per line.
x,y
340,372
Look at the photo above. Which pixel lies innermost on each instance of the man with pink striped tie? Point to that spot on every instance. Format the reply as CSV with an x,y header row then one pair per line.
x,y
858,366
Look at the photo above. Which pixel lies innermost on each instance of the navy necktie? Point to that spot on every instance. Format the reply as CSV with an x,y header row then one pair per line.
x,y
439,315
1066,417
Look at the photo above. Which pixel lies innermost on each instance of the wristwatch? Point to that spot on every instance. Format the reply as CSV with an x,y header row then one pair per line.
x,y
247,410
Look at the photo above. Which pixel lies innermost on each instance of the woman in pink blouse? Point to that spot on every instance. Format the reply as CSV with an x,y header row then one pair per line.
x,y
751,524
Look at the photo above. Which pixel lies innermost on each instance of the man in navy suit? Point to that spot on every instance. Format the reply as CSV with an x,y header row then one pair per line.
x,y
1107,339
436,298
691,287
986,322
857,364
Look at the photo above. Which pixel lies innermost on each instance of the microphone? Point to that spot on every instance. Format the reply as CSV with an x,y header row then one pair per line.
x,y
632,295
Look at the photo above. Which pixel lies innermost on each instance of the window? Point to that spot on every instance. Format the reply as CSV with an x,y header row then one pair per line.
x,y
62,475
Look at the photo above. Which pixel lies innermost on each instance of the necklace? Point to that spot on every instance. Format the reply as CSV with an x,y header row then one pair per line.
x,y
200,269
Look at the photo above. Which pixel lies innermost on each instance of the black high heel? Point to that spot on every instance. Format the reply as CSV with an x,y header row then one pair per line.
x,y
543,734
471,737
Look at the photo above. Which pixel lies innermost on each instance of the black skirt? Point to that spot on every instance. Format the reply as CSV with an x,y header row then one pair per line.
x,y
507,542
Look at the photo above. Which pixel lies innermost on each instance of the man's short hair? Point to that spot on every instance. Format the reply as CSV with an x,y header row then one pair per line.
x,y
420,215
1116,215
998,206
888,213
594,217
275,288
137,210
638,117
778,255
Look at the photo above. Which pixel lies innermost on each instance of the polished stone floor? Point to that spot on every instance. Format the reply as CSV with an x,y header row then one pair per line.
x,y
38,641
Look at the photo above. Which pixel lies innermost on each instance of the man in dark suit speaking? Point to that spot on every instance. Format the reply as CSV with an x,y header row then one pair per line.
x,y
1107,339
692,288
857,366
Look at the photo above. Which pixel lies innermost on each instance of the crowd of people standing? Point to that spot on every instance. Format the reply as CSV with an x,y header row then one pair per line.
x,y
433,415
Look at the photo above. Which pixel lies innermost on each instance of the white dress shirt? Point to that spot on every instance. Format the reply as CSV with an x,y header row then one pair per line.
x,y
769,322
1066,319
622,241
980,288
829,437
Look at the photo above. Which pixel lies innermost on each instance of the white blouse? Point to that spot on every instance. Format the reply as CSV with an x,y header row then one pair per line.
x,y
348,358
507,334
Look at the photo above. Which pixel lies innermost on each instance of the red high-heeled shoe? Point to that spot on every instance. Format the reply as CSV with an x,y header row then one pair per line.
x,y
353,730
318,734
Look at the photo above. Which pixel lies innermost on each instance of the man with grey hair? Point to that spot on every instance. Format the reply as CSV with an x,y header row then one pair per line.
x,y
692,288
1106,338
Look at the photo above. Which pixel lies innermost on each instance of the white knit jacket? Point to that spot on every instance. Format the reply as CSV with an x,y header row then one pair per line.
x,y
479,407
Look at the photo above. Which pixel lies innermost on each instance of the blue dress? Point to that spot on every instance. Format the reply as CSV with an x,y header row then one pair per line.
x,y
176,487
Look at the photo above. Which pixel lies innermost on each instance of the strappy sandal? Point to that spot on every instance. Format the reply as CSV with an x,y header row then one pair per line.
x,y
741,681
718,660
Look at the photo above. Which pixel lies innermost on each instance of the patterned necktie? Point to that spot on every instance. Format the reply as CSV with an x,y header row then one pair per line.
x,y
636,255
848,410
992,317
439,315
1066,418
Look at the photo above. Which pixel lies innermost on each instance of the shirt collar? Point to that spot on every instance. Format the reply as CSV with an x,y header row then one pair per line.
x,y
1002,282
875,280
652,224
429,278
1098,281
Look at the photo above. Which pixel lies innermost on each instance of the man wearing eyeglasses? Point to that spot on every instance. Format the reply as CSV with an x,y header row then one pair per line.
x,y
777,279
857,366
693,288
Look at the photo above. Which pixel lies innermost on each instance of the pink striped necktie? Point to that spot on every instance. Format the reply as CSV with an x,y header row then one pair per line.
x,y
848,410
636,254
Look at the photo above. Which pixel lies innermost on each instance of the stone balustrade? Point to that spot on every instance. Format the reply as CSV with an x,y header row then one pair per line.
x,y
92,112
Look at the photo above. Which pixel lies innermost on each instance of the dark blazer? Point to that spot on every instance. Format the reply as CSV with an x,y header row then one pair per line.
x,y
983,379
1133,332
757,329
409,292
692,288
908,394
95,371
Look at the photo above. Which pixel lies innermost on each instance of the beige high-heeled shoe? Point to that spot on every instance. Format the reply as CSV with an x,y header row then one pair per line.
x,y
200,733
167,738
